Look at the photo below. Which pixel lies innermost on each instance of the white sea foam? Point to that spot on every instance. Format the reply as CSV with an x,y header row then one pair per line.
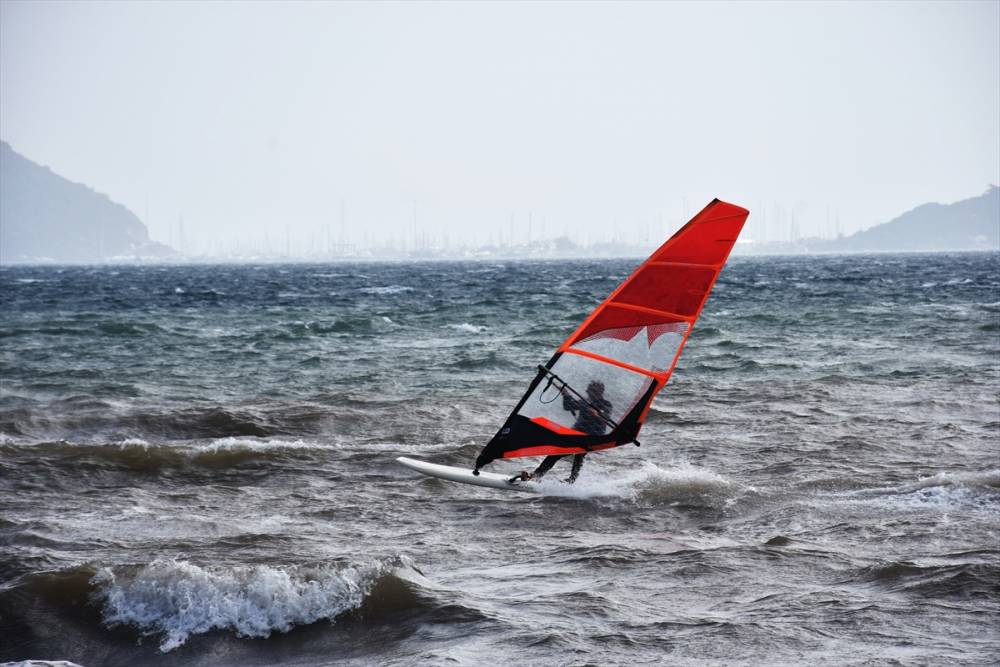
x,y
40,663
388,289
466,327
227,444
133,442
176,599
680,483
943,492
233,444
989,478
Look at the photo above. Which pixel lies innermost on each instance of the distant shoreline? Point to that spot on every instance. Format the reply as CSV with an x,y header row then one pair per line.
x,y
221,261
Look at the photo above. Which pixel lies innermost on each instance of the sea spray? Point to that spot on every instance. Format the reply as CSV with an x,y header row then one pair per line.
x,y
650,484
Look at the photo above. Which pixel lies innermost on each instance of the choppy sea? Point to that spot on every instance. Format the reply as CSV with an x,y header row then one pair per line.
x,y
197,468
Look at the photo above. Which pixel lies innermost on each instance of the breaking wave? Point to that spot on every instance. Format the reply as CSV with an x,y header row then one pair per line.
x,y
173,600
177,599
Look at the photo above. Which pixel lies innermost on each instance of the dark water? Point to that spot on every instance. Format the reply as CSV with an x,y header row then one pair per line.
x,y
197,468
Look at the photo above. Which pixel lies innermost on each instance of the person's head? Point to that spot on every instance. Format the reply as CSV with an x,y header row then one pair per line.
x,y
595,389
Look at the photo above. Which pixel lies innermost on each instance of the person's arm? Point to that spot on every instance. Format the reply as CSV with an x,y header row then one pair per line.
x,y
570,403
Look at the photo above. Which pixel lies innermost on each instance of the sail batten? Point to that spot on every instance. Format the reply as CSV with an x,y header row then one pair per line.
x,y
643,309
610,368
613,362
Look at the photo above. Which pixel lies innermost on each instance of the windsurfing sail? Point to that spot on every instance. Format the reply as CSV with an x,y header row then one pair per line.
x,y
596,389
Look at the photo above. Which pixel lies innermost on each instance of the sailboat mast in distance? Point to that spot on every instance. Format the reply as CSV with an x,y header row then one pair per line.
x,y
629,344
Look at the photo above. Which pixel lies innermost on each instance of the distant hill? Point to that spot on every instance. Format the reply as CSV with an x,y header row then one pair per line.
x,y
970,224
47,218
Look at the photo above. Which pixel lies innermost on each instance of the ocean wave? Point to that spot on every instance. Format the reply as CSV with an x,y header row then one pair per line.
x,y
115,421
254,445
601,555
388,289
174,600
177,599
202,423
41,663
299,330
943,492
930,580
466,327
986,479
142,455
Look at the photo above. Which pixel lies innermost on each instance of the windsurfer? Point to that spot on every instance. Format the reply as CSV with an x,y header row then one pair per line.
x,y
592,415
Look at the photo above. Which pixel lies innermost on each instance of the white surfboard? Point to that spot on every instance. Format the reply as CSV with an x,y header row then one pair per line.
x,y
465,476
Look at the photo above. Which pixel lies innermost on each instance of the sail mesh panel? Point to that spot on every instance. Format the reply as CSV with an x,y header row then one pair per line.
x,y
651,347
621,387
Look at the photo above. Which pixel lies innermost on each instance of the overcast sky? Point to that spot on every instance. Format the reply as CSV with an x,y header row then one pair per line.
x,y
247,117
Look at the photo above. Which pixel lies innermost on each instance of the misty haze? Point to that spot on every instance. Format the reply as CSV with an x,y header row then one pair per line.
x,y
258,130
453,333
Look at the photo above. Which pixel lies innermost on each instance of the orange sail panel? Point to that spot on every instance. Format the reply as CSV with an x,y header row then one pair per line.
x,y
595,391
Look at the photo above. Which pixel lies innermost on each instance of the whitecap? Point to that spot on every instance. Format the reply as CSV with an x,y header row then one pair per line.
x,y
466,327
983,478
389,289
236,444
944,492
176,599
133,442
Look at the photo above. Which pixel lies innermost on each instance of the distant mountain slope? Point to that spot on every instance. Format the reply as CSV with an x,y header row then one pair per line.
x,y
47,218
970,224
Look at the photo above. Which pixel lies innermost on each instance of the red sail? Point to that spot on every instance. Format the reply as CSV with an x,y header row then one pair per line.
x,y
624,352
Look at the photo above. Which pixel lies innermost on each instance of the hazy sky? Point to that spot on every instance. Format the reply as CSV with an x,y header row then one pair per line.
x,y
246,117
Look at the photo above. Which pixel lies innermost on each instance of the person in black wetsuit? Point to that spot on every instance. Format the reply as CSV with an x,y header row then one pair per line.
x,y
590,419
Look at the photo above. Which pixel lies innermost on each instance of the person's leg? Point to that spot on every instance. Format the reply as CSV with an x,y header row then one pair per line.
x,y
577,464
545,466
